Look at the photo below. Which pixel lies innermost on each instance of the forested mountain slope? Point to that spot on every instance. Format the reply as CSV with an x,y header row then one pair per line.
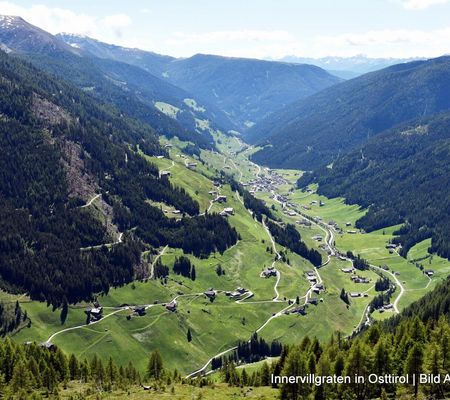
x,y
58,148
317,130
245,89
403,176
113,82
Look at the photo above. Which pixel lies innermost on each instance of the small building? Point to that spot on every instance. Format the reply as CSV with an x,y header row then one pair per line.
x,y
191,165
48,345
319,238
391,246
348,224
212,192
164,173
354,294
388,307
352,232
139,310
313,300
299,310
347,270
210,293
268,272
221,199
168,146
228,210
318,287
176,212
429,272
172,306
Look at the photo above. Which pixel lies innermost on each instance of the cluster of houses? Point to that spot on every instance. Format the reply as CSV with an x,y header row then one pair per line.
x,y
266,183
268,272
317,287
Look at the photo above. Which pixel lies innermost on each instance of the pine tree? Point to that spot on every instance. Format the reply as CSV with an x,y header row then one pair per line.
x,y
413,364
189,335
74,368
64,311
155,368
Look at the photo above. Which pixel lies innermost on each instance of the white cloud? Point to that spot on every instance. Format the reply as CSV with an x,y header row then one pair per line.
x,y
388,43
422,4
237,43
55,20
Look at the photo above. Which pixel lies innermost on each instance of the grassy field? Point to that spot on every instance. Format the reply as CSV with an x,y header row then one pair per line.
x,y
216,391
218,325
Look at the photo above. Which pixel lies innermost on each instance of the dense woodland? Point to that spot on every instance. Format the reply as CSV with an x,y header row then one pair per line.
x,y
318,130
289,237
44,229
403,176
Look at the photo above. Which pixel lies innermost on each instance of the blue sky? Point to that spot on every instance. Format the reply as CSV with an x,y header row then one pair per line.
x,y
252,28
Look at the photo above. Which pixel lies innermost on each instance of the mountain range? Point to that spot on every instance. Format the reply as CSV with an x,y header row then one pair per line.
x,y
348,67
317,130
247,90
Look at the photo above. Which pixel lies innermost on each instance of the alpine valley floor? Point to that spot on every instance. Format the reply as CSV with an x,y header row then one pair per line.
x,y
216,326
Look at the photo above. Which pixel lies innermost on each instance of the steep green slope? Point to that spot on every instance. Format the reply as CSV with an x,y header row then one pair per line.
x,y
59,148
317,130
403,176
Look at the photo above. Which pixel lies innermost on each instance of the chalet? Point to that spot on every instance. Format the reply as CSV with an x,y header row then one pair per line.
x,y
391,246
210,293
164,173
313,202
172,306
429,272
139,310
306,207
354,294
191,165
168,146
352,232
228,210
318,287
360,279
332,223
48,345
348,224
221,199
319,238
292,213
304,222
159,157
268,272
176,212
212,192
310,273
347,270
321,203
299,310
